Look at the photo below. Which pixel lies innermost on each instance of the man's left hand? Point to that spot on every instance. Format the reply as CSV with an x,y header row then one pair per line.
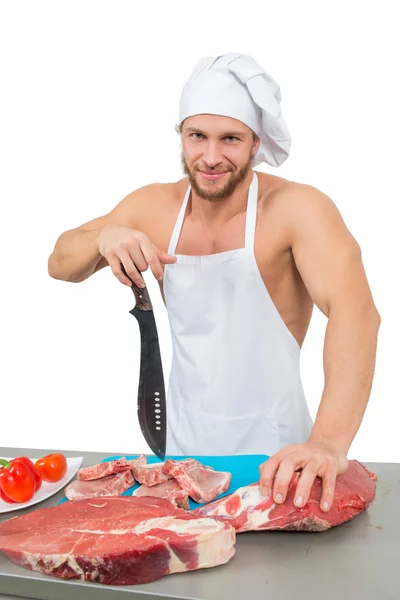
x,y
315,459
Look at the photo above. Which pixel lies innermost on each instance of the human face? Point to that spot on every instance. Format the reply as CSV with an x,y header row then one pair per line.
x,y
217,153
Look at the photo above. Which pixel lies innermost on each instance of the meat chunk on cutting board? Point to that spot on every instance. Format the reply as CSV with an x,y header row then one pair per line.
x,y
112,485
109,468
202,483
119,541
248,510
150,474
170,490
103,469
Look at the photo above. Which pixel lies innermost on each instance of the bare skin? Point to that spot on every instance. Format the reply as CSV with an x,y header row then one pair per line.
x,y
306,257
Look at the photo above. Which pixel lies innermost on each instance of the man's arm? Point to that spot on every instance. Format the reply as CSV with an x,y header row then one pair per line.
x,y
330,264
76,253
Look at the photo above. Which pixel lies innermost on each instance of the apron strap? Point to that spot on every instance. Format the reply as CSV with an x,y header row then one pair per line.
x,y
251,214
178,225
251,217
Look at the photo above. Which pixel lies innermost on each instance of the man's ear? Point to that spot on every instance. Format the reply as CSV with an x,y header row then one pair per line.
x,y
255,146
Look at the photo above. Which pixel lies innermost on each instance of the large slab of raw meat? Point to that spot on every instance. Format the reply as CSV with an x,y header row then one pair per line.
x,y
121,540
248,510
202,483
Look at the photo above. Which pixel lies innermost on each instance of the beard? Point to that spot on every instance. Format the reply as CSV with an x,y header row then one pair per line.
x,y
207,193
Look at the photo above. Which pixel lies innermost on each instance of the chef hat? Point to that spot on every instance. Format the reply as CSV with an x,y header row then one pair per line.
x,y
234,85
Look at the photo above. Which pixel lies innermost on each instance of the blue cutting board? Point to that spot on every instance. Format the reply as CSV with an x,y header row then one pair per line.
x,y
244,469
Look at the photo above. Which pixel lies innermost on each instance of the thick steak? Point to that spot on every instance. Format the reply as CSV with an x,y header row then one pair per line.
x,y
121,540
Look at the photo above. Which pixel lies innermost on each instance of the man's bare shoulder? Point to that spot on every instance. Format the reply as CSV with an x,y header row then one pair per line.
x,y
306,193
145,203
148,201
152,193
310,213
158,193
298,202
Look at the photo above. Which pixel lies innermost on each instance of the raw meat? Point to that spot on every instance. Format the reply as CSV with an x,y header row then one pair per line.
x,y
103,469
150,474
122,540
136,462
112,485
170,490
109,468
247,510
202,483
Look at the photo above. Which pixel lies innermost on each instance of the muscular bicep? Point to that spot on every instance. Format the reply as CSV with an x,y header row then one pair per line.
x,y
325,252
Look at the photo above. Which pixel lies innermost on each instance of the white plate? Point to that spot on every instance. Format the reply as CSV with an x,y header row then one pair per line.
x,y
47,489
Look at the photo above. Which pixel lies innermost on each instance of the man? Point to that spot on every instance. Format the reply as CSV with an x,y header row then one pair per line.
x,y
241,258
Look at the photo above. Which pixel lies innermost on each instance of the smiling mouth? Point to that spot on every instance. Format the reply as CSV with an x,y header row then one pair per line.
x,y
212,175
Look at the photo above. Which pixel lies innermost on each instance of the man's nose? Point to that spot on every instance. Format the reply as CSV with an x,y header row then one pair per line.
x,y
212,154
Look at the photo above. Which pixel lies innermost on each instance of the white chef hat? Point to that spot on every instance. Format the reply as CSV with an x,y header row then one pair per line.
x,y
234,85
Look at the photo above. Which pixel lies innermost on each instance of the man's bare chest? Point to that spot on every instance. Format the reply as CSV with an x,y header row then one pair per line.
x,y
272,251
270,247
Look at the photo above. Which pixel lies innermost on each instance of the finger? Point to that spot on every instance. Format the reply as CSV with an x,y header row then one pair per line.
x,y
306,481
163,256
267,473
283,477
137,258
134,263
130,255
133,266
151,258
134,273
328,488
269,468
115,266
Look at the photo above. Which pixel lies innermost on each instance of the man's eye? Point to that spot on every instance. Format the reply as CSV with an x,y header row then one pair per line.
x,y
231,138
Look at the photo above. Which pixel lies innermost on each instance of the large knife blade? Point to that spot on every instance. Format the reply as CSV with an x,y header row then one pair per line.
x,y
151,406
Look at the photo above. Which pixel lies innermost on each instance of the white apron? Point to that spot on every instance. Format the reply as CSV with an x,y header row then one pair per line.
x,y
235,385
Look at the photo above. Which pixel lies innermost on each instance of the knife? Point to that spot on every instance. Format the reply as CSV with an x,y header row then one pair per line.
x,y
151,406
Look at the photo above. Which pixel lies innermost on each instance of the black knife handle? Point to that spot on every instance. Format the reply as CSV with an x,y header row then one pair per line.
x,y
142,297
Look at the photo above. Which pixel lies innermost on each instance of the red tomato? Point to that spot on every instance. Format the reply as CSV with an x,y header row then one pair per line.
x,y
52,467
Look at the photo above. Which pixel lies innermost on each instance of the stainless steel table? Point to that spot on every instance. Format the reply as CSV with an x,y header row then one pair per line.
x,y
359,560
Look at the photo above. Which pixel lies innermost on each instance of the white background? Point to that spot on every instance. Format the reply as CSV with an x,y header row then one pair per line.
x,y
89,101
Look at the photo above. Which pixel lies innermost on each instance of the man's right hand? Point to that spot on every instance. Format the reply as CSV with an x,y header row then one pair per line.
x,y
119,244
